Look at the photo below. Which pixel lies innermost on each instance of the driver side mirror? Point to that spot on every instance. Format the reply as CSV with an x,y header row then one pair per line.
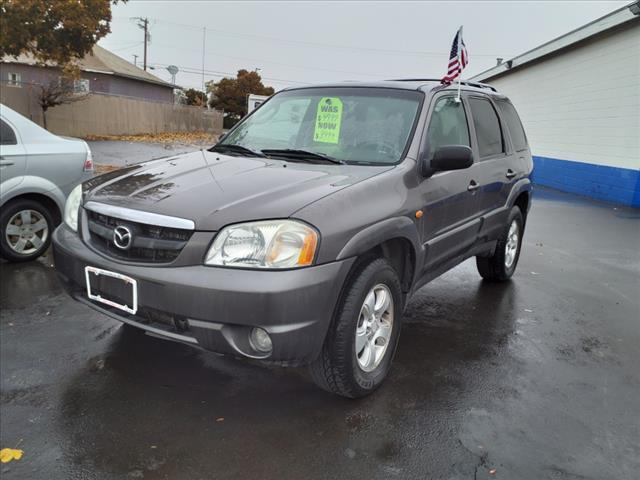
x,y
447,157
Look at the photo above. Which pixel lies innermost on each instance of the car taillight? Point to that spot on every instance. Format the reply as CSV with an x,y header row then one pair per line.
x,y
88,163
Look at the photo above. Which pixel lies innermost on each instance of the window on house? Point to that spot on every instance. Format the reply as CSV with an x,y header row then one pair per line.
x,y
14,79
81,85
488,131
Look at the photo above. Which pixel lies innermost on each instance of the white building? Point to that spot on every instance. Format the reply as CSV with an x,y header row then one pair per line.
x,y
579,100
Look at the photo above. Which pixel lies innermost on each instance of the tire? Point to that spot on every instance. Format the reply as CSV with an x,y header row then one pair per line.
x,y
502,264
339,368
131,331
34,240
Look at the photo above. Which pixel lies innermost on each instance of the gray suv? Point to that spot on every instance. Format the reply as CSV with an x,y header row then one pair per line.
x,y
301,235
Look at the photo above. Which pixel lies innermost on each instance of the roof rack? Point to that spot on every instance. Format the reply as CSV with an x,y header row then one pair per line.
x,y
480,85
470,84
414,80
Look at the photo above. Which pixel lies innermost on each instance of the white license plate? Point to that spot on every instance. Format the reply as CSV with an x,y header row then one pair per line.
x,y
111,281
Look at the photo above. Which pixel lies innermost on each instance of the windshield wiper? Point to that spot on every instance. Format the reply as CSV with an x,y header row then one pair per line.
x,y
301,155
232,147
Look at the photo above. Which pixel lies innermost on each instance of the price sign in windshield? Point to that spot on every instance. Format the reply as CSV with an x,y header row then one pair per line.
x,y
328,120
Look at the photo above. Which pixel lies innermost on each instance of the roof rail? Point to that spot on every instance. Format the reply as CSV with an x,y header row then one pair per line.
x,y
414,80
480,85
464,82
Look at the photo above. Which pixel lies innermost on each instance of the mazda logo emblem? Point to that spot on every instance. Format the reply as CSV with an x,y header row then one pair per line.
x,y
122,237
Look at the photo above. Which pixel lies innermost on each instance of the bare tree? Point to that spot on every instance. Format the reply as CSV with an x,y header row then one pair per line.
x,y
58,92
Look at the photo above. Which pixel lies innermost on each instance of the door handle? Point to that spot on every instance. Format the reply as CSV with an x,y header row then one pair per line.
x,y
473,186
510,174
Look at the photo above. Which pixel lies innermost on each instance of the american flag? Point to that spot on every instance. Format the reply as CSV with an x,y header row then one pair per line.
x,y
458,59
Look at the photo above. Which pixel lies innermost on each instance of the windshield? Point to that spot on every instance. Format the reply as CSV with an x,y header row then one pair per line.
x,y
352,125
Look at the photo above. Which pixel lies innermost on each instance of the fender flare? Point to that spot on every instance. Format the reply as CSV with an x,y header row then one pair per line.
x,y
373,235
522,185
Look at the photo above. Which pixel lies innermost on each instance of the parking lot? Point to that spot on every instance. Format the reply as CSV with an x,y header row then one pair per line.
x,y
536,378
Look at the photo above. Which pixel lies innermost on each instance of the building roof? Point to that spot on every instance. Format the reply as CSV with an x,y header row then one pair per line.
x,y
101,60
622,15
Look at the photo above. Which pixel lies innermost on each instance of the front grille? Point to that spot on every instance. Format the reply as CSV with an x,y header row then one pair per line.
x,y
150,244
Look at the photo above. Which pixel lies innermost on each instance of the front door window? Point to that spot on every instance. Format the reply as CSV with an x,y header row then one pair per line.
x,y
448,125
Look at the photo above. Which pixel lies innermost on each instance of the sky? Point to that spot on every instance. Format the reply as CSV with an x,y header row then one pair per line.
x,y
298,43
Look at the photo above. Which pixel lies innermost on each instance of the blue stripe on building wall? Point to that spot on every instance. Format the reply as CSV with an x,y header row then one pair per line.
x,y
612,184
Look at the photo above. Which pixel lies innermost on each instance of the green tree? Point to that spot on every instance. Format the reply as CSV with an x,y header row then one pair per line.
x,y
53,31
230,94
195,97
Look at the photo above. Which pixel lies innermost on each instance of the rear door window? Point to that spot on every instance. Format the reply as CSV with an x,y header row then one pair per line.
x,y
487,125
7,135
514,125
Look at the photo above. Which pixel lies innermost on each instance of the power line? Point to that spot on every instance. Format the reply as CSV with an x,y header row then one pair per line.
x,y
136,44
259,60
202,70
323,45
217,73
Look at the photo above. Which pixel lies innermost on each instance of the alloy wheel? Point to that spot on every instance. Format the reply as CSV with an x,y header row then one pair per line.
x,y
26,232
511,248
375,325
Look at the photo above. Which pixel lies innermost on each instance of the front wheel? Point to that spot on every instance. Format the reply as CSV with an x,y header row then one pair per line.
x,y
502,264
362,339
26,227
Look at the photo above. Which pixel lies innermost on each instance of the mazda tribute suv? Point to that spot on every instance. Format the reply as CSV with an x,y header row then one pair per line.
x,y
299,237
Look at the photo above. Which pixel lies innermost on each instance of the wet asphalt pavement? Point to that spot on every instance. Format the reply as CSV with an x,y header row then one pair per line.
x,y
534,379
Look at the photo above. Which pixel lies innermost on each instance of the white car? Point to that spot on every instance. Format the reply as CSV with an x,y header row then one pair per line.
x,y
37,171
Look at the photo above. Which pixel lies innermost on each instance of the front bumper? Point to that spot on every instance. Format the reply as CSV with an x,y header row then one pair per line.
x,y
216,308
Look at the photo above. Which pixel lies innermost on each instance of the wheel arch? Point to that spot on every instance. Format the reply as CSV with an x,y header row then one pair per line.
x,y
395,239
523,201
45,200
521,196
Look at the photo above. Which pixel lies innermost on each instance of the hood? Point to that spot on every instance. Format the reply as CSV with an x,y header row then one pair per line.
x,y
215,190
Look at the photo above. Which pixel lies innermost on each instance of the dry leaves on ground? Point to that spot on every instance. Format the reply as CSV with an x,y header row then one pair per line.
x,y
165,137
100,169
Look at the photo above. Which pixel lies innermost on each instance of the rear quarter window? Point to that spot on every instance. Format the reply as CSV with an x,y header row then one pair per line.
x,y
7,135
514,125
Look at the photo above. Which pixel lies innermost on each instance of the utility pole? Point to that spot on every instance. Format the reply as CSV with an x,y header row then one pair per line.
x,y
204,38
146,26
143,23
135,60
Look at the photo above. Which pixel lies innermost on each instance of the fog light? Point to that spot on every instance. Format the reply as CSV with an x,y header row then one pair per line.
x,y
260,340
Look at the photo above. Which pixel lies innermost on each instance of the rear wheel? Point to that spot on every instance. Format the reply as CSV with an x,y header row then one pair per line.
x,y
362,339
502,264
26,228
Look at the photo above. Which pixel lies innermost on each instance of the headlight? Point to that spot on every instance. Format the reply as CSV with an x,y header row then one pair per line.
x,y
71,208
267,244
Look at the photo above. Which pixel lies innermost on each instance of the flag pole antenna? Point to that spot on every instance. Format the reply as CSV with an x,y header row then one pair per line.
x,y
458,59
461,61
